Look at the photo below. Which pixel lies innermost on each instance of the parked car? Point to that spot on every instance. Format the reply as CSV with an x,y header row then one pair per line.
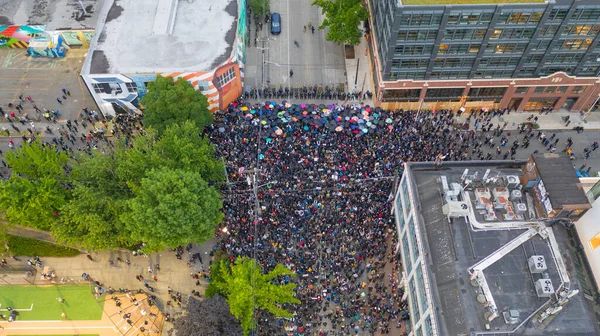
x,y
275,24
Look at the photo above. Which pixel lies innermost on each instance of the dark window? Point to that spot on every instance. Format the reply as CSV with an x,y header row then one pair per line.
x,y
401,95
487,91
550,89
131,87
445,93
521,89
558,14
539,89
578,89
562,89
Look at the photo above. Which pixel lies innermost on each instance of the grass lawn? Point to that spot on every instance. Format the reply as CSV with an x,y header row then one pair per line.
x,y
79,303
32,247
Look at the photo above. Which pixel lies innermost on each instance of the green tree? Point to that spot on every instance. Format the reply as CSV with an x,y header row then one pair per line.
x,y
260,7
343,17
246,288
92,218
36,189
173,207
168,102
182,147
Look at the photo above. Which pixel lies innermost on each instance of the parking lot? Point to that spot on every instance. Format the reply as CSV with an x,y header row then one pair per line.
x,y
43,79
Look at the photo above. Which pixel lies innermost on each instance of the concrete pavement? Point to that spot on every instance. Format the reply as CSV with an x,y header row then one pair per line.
x,y
315,61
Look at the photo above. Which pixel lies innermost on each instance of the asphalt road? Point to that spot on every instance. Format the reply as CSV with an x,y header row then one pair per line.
x,y
314,61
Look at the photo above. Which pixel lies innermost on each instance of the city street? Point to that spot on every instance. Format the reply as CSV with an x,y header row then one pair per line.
x,y
313,61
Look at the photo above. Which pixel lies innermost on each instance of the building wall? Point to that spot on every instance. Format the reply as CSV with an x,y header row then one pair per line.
x,y
477,43
221,85
587,228
415,274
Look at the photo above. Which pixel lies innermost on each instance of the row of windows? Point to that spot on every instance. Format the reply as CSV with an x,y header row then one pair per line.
x,y
449,74
413,235
405,249
588,30
470,17
519,17
578,44
586,14
421,285
505,48
452,49
414,312
495,62
409,63
475,92
425,19
395,75
493,74
417,35
512,33
563,58
413,50
464,34
402,95
453,62
558,14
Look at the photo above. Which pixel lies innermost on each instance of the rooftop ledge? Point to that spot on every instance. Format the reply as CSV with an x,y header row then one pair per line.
x,y
465,2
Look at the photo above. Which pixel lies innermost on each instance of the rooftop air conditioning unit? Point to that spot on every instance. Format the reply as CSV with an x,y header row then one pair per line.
x,y
516,195
520,208
537,264
512,181
456,209
544,288
511,316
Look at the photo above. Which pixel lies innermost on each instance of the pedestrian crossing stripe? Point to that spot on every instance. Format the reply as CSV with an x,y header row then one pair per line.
x,y
19,44
34,34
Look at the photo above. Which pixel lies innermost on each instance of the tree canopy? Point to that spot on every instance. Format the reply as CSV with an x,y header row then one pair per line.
x,y
160,190
246,288
343,17
209,317
260,7
173,207
35,191
168,103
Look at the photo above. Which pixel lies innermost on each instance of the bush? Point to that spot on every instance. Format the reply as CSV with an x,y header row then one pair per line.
x,y
32,247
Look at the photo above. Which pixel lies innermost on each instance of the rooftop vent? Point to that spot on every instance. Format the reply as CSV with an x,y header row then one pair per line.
x,y
512,181
537,264
544,288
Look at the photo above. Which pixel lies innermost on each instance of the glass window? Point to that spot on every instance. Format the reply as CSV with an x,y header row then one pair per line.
x,y
549,30
98,88
496,34
423,294
225,78
539,89
443,48
521,89
578,89
558,14
406,260
401,95
487,91
550,89
444,93
561,89
131,87
415,313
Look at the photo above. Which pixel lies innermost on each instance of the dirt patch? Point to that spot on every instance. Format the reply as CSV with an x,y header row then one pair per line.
x,y
349,51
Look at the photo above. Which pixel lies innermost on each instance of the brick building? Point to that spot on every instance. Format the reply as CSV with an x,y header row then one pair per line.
x,y
525,55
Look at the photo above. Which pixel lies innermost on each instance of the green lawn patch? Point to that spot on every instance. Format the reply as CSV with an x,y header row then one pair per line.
x,y
464,2
32,247
80,303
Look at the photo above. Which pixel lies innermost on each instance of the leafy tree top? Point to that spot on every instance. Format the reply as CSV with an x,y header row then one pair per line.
x,y
168,102
343,17
246,287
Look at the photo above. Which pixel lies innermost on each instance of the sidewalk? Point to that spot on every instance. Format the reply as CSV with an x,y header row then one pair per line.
x,y
361,80
552,121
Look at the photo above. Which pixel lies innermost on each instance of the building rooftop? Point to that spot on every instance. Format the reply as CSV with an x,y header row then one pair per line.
x,y
500,248
55,14
154,36
560,180
465,2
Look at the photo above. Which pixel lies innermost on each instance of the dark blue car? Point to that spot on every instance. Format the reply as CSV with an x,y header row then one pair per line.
x,y
275,23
